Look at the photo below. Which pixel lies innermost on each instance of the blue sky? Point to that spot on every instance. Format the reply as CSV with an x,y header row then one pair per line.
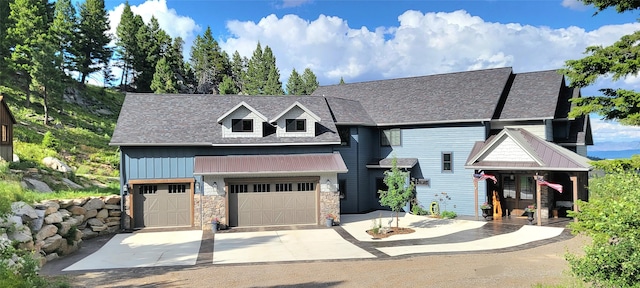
x,y
363,40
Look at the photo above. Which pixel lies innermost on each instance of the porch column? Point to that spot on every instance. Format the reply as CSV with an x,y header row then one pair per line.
x,y
574,181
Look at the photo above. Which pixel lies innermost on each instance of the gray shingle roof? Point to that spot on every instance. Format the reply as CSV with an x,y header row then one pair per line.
x,y
453,97
534,95
349,112
177,119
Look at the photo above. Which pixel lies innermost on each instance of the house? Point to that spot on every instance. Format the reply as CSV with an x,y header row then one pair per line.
x,y
285,160
6,125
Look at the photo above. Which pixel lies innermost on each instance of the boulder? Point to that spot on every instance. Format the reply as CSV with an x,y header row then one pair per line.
x,y
111,200
110,224
50,206
56,164
16,158
52,218
87,233
115,213
102,214
95,222
71,184
112,207
66,203
66,248
21,234
79,218
53,243
94,204
65,213
99,228
51,257
46,232
64,228
37,185
81,201
77,210
36,224
78,235
23,209
90,214
27,245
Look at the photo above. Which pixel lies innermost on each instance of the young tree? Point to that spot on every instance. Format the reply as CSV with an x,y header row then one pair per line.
x,y
399,188
126,44
164,79
295,86
341,81
92,51
46,74
227,86
310,81
612,259
618,60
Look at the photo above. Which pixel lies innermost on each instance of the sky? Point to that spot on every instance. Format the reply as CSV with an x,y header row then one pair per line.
x,y
364,40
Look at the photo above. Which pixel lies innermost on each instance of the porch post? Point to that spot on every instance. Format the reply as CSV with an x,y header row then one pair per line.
x,y
475,189
574,181
538,202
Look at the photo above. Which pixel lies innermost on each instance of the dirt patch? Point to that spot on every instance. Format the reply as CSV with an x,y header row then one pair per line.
x,y
388,232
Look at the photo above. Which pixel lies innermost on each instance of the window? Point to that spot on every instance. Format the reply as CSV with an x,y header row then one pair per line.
x,y
447,162
281,187
177,188
5,137
509,185
261,188
307,186
345,136
238,188
241,125
296,125
147,189
390,137
527,187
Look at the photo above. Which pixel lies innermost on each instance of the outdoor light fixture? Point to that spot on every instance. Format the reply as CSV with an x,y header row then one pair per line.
x,y
125,189
329,184
215,185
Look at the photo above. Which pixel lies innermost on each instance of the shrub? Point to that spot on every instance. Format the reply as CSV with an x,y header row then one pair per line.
x,y
49,140
448,214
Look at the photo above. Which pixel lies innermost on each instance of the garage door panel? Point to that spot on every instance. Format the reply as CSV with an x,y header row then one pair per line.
x,y
155,206
272,208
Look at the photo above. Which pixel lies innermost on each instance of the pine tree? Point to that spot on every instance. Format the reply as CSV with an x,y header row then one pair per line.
x,y
153,43
295,86
30,19
238,70
46,74
92,51
341,81
227,86
4,41
273,86
310,81
209,63
256,75
126,43
164,79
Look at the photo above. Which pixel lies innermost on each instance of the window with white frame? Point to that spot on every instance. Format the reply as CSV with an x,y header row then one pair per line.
x,y
296,125
447,162
241,125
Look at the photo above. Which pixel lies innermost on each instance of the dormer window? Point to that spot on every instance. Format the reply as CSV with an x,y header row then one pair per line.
x,y
241,125
296,125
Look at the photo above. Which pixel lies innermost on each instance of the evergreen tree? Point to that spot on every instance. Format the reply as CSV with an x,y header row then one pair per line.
x,y
30,19
153,43
4,41
179,67
164,79
341,81
295,86
126,43
310,81
46,74
63,33
256,75
92,51
273,86
238,70
227,86
209,63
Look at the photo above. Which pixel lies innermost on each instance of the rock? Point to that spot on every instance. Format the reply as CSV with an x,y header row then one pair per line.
x,y
37,223
46,231
110,224
52,218
27,245
71,184
56,164
53,243
13,220
115,213
87,233
111,230
90,214
112,219
64,228
80,202
50,206
78,235
37,185
95,222
65,213
65,203
94,203
66,249
21,208
99,228
102,214
104,111
21,234
113,199
79,218
77,210
112,207
51,257
16,158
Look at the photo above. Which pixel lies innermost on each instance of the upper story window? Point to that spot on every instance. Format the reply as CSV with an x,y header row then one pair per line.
x,y
391,137
241,125
296,125
447,162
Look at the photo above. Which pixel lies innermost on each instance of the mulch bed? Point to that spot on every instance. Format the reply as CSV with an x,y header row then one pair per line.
x,y
391,232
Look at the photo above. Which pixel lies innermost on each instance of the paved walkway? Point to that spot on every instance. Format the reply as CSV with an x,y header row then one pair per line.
x,y
307,243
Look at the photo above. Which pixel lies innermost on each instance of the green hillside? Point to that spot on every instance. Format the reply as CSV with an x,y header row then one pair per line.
x,y
80,126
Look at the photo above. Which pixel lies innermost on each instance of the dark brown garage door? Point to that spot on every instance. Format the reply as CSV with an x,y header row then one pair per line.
x,y
162,205
272,203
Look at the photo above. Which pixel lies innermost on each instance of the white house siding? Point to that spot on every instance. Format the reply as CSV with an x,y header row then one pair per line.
x,y
539,130
428,144
242,113
296,113
508,149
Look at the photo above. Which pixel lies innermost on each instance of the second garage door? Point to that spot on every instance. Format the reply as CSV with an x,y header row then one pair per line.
x,y
272,202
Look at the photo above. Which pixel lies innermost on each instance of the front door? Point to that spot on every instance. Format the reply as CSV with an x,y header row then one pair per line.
x,y
519,192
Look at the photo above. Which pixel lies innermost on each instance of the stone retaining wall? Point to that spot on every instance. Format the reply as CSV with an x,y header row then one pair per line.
x,y
56,228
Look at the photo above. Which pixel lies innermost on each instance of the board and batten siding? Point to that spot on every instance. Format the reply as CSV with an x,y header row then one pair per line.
x,y
350,157
428,144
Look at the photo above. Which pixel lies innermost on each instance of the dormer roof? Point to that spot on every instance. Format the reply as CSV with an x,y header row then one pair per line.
x,y
296,104
241,104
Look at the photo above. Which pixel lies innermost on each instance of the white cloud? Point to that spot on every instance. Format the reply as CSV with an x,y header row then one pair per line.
x,y
610,131
574,5
422,43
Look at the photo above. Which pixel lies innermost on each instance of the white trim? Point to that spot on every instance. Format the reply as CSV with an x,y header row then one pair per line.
x,y
221,118
313,115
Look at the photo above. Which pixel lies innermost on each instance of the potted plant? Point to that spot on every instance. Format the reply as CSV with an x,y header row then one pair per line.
x,y
214,224
330,219
529,211
486,210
